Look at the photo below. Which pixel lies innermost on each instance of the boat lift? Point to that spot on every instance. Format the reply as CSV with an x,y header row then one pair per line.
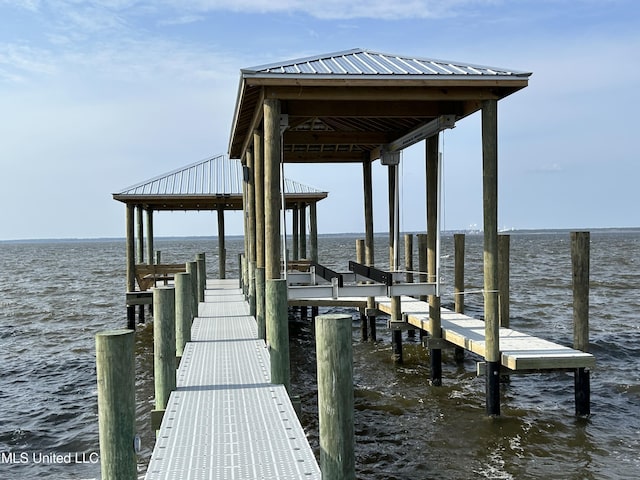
x,y
323,282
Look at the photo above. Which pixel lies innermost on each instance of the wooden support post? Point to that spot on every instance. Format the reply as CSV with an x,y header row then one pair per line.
x,y
278,331
580,259
422,261
260,304
258,178
303,231
131,264
192,270
432,153
139,234
149,236
164,344
392,172
140,249
490,208
458,283
369,256
252,289
272,188
335,397
184,310
115,371
222,250
503,280
313,231
364,321
251,233
408,257
368,212
202,275
396,337
295,231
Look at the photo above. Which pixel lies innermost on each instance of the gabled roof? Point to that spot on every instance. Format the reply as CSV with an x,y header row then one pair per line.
x,y
204,185
346,106
361,62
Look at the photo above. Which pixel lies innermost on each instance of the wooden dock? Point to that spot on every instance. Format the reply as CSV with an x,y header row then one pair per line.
x,y
519,351
226,420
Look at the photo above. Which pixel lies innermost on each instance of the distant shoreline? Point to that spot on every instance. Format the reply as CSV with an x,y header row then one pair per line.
x,y
324,235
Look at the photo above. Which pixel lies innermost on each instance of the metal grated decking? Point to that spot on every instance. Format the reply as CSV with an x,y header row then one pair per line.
x,y
226,420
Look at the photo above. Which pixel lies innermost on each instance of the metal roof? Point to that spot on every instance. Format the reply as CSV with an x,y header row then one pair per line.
x,y
346,106
365,62
214,181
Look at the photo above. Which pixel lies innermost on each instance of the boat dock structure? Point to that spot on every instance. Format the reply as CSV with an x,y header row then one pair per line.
x,y
226,419
226,413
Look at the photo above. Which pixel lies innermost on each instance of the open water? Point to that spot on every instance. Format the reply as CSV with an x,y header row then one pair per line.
x,y
55,296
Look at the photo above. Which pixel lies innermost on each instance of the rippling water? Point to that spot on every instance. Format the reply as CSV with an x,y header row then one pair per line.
x,y
56,296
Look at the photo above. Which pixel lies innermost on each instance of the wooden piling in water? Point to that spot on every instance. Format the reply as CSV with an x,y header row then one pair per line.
x,y
408,257
184,310
422,261
490,257
396,336
278,331
115,370
192,269
202,275
364,321
435,322
580,260
458,283
335,396
131,263
164,344
504,244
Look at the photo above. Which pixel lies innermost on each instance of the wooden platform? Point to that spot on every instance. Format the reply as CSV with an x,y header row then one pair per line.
x,y
519,351
226,420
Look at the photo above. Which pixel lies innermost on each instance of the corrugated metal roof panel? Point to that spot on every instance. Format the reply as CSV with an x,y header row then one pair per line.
x,y
217,175
365,62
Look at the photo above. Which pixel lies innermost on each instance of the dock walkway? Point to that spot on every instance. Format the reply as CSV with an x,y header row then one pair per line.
x,y
226,420
519,351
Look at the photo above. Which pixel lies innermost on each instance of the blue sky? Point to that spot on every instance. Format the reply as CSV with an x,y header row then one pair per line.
x,y
98,95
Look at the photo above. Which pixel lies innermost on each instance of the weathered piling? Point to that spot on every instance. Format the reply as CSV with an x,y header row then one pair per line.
x,y
131,265
184,310
396,334
252,288
490,253
580,253
202,275
458,283
504,243
115,369
278,331
435,322
408,257
192,269
364,321
164,344
422,261
335,396
260,304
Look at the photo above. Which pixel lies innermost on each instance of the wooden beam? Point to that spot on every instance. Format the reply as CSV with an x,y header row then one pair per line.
x,y
336,138
379,93
357,109
256,120
323,157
